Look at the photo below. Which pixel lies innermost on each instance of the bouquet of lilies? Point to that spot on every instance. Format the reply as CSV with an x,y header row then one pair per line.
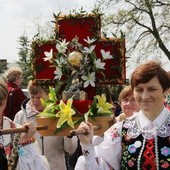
x,y
65,110
70,59
74,56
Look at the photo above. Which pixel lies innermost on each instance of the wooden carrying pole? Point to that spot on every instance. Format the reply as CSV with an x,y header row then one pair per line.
x,y
19,130
77,132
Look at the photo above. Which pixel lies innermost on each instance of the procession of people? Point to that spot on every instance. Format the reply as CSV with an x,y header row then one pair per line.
x,y
138,141
75,76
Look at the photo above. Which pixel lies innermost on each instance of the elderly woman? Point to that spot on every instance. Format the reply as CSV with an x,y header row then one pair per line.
x,y
140,142
15,94
127,103
17,151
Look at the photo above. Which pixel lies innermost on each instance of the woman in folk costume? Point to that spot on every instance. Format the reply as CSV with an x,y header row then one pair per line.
x,y
17,151
143,140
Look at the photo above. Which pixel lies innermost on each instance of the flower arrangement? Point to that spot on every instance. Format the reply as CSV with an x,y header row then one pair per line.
x,y
86,63
79,58
65,110
76,66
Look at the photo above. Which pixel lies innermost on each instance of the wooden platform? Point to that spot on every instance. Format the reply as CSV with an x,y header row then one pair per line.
x,y
102,121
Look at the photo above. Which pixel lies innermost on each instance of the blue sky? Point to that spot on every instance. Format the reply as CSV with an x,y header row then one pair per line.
x,y
19,16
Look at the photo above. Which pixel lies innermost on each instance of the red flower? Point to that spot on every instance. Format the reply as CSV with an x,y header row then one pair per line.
x,y
82,106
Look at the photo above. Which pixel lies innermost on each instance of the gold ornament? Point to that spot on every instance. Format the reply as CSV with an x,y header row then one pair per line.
x,y
75,58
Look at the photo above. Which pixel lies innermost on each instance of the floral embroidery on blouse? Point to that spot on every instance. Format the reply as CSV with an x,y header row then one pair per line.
x,y
165,151
132,148
164,164
131,162
132,141
127,154
11,149
114,134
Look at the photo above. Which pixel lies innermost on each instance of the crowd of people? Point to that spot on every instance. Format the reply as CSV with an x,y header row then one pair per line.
x,y
138,140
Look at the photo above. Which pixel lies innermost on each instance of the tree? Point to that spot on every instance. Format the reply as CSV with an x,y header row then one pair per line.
x,y
24,59
3,65
145,23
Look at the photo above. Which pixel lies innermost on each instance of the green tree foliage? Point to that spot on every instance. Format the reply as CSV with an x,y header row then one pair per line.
x,y
3,66
24,58
145,23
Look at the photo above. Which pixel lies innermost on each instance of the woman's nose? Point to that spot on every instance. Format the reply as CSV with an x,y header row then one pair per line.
x,y
145,94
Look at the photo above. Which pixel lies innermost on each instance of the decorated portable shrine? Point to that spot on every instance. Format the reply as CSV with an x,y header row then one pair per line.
x,y
79,66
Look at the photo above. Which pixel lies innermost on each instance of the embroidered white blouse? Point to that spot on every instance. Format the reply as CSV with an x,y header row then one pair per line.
x,y
30,157
107,155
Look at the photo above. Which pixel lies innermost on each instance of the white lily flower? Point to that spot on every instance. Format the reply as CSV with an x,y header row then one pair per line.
x,y
89,79
62,46
58,73
75,39
49,55
89,41
60,61
89,50
86,59
99,64
106,55
75,43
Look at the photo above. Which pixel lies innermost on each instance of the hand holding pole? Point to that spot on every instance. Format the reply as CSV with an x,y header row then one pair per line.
x,y
77,132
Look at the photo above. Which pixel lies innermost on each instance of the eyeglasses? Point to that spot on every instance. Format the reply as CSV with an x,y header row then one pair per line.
x,y
128,101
